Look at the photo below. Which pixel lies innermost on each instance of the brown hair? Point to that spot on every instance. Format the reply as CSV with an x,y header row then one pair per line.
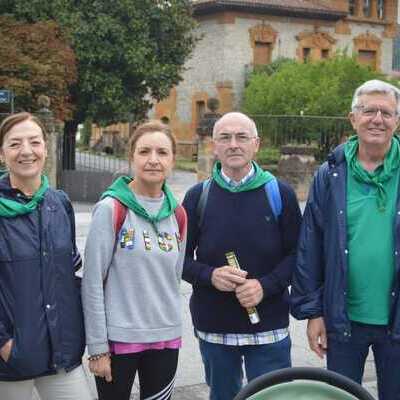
x,y
14,119
150,127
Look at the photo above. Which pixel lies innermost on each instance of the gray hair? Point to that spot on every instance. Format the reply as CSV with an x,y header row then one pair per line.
x,y
375,86
236,115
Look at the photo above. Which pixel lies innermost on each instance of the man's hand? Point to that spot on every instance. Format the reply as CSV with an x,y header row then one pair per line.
x,y
316,334
5,351
250,293
227,278
101,368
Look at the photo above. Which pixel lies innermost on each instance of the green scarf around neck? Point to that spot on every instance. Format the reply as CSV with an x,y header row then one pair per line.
x,y
260,178
11,208
380,175
121,191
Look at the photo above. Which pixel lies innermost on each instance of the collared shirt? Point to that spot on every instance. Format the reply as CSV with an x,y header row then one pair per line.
x,y
244,180
243,339
371,267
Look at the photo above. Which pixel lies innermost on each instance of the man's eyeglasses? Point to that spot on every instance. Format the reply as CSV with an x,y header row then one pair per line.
x,y
226,138
372,112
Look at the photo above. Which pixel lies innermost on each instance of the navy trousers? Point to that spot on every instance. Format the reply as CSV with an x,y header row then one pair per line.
x,y
348,358
223,364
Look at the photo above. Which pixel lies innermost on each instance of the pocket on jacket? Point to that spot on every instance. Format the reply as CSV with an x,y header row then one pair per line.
x,y
26,363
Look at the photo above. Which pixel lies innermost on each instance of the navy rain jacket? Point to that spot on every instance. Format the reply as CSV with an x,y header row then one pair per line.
x,y
40,304
319,283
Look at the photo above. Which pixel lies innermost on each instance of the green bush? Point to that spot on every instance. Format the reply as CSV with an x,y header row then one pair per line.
x,y
268,155
317,88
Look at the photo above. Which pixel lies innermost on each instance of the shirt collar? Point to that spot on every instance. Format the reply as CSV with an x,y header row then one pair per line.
x,y
244,180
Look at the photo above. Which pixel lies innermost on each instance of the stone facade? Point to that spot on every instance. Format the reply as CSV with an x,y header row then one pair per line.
x,y
236,38
237,35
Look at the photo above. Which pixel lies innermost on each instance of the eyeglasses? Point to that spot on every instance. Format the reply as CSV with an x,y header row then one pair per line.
x,y
372,112
226,138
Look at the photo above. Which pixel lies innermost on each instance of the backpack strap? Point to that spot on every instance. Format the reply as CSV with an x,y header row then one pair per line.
x,y
201,205
274,197
120,212
271,189
181,218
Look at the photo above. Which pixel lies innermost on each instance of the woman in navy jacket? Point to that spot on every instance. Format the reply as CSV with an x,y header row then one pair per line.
x,y
41,324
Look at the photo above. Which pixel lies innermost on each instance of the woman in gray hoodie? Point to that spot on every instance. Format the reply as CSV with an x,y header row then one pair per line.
x,y
133,265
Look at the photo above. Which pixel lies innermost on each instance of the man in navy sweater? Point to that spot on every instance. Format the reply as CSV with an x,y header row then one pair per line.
x,y
239,215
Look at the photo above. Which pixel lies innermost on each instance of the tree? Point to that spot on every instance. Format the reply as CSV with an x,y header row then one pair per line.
x,y
316,88
86,133
35,59
274,66
129,52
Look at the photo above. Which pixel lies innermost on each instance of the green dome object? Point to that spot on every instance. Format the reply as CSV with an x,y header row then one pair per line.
x,y
302,390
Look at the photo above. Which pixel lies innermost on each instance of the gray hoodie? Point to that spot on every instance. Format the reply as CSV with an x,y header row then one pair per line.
x,y
130,291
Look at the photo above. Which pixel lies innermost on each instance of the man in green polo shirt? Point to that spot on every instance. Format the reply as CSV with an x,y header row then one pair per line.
x,y
346,281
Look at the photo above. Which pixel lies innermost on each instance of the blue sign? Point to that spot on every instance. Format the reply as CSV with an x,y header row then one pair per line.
x,y
5,96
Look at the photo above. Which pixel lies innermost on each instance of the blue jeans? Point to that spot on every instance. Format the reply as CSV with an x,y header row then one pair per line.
x,y
348,358
223,364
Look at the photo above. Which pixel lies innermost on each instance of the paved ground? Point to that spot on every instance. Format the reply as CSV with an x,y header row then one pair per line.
x,y
190,380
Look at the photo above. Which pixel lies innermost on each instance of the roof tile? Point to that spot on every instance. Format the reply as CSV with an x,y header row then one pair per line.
x,y
290,5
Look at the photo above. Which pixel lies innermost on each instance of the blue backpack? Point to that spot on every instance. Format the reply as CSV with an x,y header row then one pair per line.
x,y
271,190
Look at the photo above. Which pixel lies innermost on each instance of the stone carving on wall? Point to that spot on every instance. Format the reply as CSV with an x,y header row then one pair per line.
x,y
321,40
369,42
316,42
262,34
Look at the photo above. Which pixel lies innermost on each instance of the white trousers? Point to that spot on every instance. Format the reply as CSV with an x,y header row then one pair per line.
x,y
62,386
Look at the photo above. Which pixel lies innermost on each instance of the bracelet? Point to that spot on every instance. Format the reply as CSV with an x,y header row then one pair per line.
x,y
98,356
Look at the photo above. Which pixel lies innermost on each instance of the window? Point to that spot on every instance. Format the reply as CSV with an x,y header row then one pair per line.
x,y
380,9
367,8
262,53
367,57
325,53
200,110
352,7
396,54
306,54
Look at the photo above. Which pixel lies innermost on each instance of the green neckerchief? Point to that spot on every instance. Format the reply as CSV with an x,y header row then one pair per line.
x,y
121,191
380,175
260,178
11,208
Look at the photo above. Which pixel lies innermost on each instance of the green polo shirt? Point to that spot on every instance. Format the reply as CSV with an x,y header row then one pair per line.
x,y
370,238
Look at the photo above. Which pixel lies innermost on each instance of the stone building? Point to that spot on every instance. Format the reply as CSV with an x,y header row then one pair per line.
x,y
239,35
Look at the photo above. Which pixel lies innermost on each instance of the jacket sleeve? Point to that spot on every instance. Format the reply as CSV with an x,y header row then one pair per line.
x,y
290,220
182,252
99,251
194,272
306,298
76,257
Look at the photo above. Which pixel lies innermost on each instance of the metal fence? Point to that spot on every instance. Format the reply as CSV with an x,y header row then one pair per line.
x,y
88,161
319,132
322,133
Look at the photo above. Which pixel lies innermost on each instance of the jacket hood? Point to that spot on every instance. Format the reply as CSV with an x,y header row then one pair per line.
x,y
5,186
336,156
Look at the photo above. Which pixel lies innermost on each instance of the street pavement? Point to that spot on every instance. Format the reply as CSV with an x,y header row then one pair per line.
x,y
190,384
